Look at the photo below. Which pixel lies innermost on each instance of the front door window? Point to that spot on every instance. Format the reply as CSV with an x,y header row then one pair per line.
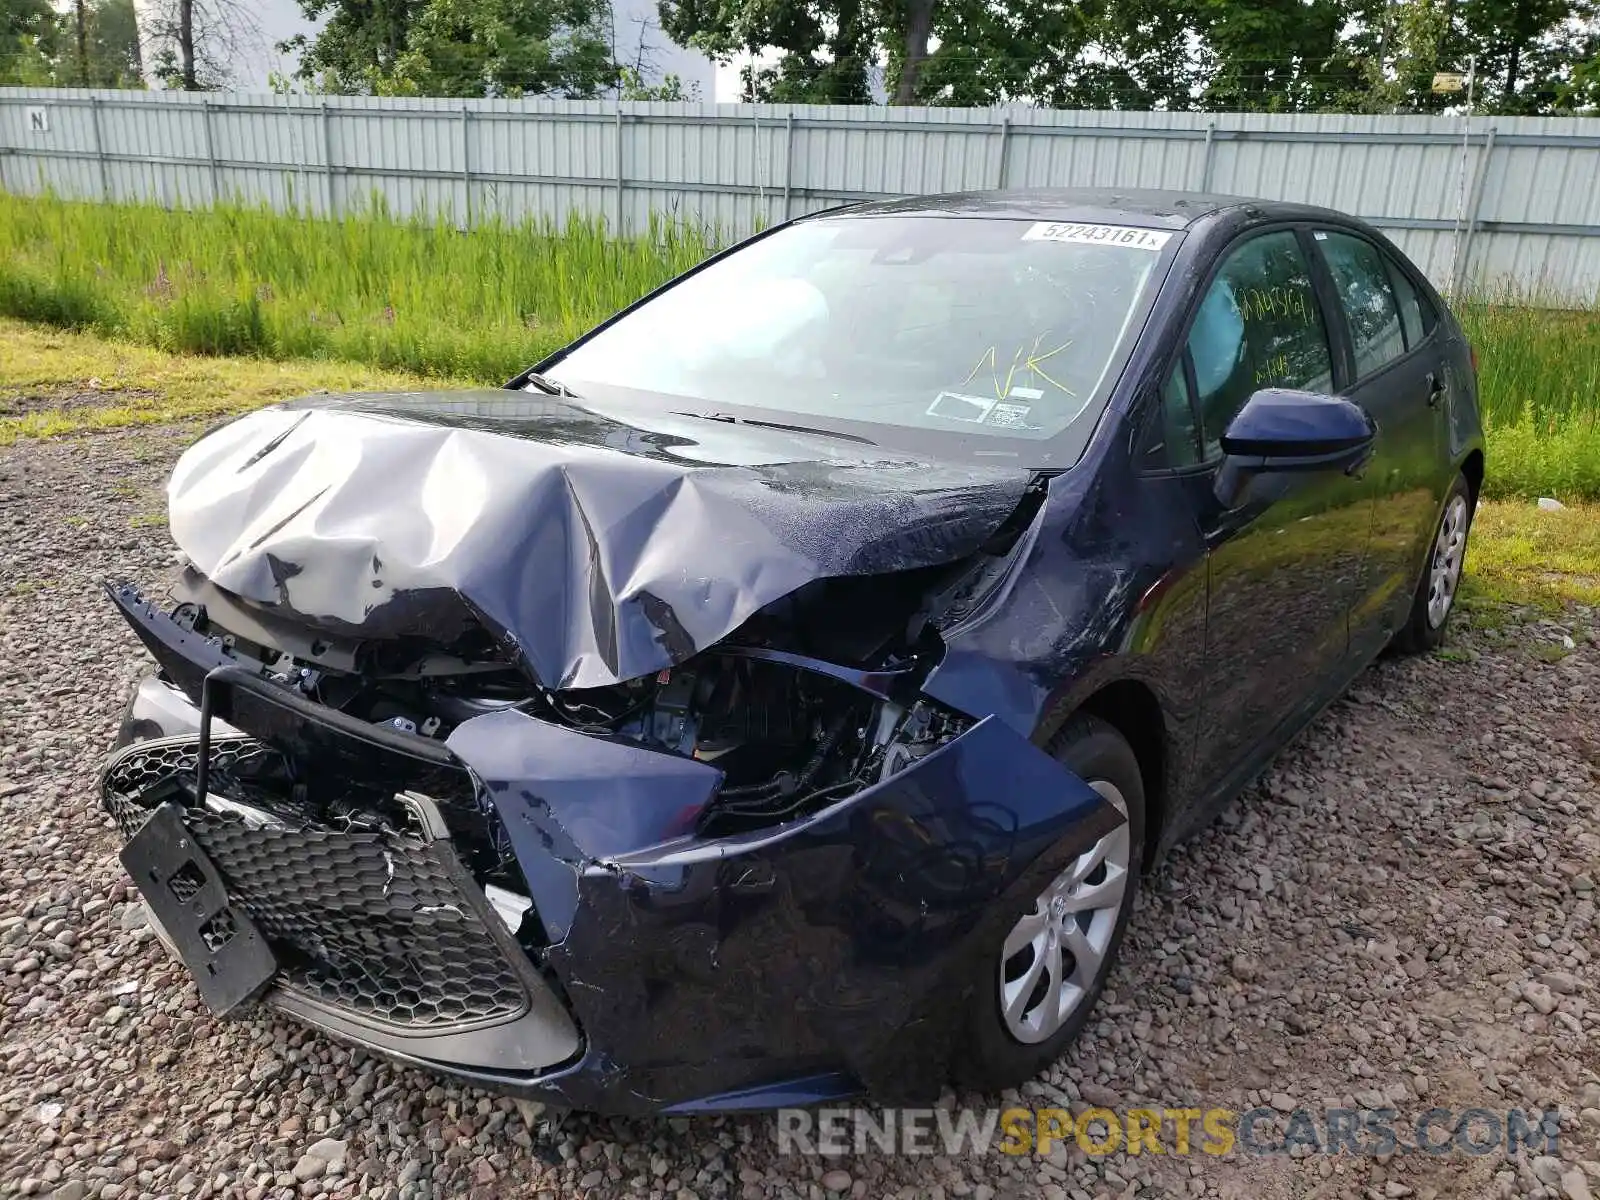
x,y
1258,326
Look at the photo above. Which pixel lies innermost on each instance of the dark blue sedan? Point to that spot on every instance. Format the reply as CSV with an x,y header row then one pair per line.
x,y
777,694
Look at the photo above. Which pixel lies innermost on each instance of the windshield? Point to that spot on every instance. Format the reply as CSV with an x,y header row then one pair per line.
x,y
994,330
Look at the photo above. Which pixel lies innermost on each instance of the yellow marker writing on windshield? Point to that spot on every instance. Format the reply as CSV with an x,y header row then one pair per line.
x,y
1027,358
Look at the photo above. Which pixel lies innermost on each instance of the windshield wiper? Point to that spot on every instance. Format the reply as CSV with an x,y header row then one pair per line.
x,y
549,386
730,419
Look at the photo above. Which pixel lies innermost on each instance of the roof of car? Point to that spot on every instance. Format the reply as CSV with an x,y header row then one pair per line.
x,y
1135,206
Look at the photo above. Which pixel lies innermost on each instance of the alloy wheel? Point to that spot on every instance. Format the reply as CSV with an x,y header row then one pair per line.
x,y
1054,955
1448,551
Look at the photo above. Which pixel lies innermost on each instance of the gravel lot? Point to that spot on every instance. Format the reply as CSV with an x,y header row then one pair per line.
x,y
1404,911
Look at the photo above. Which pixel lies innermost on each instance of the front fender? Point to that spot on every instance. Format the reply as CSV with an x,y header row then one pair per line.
x,y
844,941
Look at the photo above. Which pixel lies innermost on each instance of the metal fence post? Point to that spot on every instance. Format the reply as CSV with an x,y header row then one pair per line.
x,y
1005,151
328,192
99,149
466,158
1459,279
1205,160
761,173
788,160
619,168
211,151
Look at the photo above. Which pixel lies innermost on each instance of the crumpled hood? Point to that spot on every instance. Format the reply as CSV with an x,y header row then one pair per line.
x,y
599,547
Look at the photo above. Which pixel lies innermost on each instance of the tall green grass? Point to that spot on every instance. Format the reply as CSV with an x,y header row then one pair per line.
x,y
415,295
421,296
1539,389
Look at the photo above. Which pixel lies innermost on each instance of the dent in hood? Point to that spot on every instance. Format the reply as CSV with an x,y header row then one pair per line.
x,y
598,547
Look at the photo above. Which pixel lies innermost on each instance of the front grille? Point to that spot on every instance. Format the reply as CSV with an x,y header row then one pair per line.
x,y
148,763
375,922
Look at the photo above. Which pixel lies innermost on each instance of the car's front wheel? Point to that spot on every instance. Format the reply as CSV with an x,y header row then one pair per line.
x,y
1039,985
1441,580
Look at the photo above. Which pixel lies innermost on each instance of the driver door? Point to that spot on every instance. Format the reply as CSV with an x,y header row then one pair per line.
x,y
1285,557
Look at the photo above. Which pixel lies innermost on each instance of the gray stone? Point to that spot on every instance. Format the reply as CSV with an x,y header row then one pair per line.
x,y
1547,1170
1538,995
1099,1095
329,1150
1562,982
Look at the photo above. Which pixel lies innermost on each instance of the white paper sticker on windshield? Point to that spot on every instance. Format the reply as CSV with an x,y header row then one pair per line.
x,y
957,406
1099,235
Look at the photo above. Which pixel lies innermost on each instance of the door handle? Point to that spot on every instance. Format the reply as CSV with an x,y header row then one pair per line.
x,y
1436,389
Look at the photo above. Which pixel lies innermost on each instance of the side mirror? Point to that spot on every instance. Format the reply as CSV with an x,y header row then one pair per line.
x,y
1280,430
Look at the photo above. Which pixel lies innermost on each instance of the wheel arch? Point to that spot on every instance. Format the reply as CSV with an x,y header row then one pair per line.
x,y
1472,468
1132,708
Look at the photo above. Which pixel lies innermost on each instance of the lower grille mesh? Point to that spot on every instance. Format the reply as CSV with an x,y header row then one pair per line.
x,y
373,922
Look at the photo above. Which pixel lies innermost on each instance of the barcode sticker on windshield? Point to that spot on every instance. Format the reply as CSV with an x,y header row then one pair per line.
x,y
1011,416
1099,235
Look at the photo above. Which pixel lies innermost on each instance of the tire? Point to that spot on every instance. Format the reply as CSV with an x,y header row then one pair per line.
x,y
994,1056
1425,624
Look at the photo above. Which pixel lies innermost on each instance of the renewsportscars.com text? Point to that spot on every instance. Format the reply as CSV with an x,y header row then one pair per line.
x,y
1217,1132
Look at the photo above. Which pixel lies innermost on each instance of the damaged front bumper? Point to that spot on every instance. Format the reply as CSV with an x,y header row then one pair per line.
x,y
381,936
642,967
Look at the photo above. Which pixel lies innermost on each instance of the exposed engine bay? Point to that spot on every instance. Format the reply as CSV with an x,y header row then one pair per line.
x,y
812,699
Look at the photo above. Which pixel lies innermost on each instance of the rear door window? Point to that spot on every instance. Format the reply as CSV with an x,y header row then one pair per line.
x,y
1416,318
1361,279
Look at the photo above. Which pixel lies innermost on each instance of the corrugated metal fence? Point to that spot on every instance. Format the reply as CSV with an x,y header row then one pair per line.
x,y
1510,202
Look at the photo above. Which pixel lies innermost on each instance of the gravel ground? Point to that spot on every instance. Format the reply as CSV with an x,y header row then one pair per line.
x,y
1402,911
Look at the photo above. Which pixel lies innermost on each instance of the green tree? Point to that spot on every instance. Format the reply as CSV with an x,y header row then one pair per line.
x,y
632,85
1111,54
31,39
458,47
1580,93
993,54
1102,53
1529,56
113,45
1393,53
1525,49
1273,55
359,44
1222,55
506,48
825,47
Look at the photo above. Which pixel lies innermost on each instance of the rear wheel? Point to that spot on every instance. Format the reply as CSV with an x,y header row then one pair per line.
x,y
1039,985
1441,580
